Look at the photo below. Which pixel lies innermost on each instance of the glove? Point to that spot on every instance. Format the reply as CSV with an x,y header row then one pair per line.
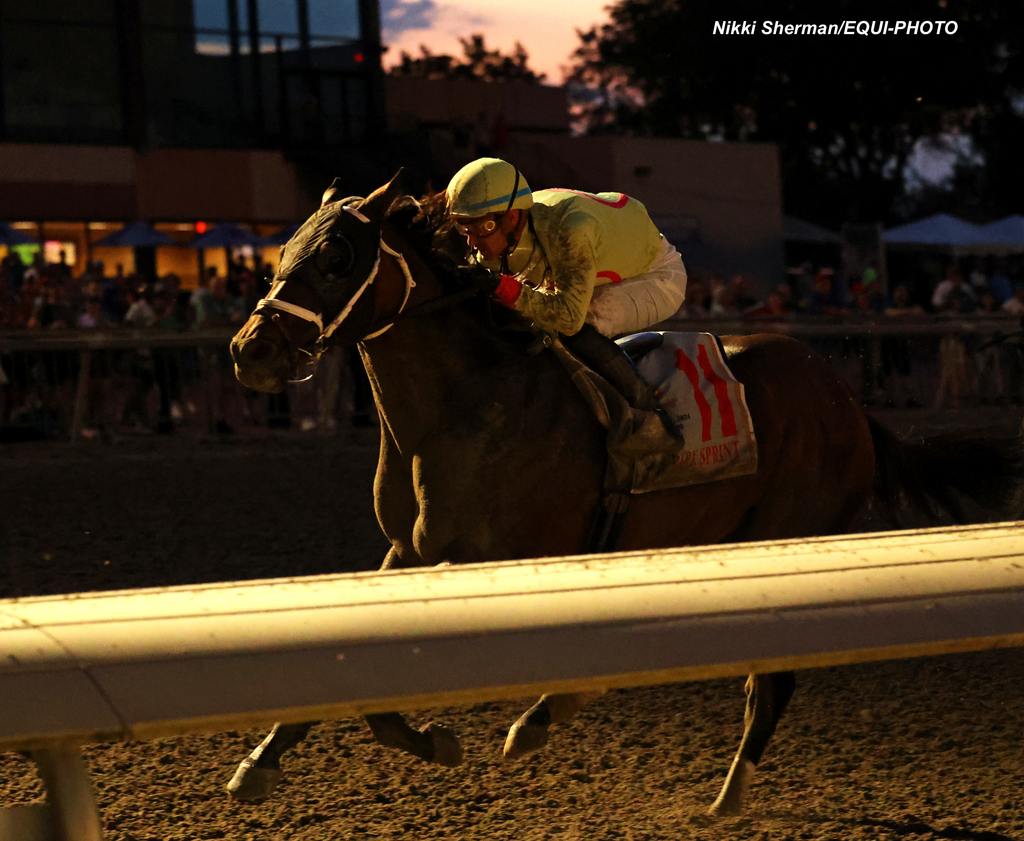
x,y
504,287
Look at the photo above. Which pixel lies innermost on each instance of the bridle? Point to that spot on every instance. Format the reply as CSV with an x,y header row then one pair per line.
x,y
273,303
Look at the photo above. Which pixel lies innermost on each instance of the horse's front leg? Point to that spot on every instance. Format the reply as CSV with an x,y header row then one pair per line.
x,y
259,773
767,697
530,732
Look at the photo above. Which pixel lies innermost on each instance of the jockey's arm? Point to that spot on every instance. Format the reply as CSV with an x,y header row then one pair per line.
x,y
561,305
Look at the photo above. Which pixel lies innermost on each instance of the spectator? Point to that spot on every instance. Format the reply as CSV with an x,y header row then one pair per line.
x,y
897,359
774,306
216,308
978,280
50,310
92,316
952,294
742,297
696,303
988,357
822,299
167,360
94,423
140,315
116,296
201,293
1015,304
954,354
723,298
999,282
867,347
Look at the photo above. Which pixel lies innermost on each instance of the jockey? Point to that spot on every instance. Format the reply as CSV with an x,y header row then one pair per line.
x,y
584,265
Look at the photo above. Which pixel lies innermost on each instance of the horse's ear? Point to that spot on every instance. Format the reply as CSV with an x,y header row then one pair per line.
x,y
377,203
332,193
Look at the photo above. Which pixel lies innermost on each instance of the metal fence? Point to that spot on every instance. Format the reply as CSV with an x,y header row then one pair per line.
x,y
111,384
105,384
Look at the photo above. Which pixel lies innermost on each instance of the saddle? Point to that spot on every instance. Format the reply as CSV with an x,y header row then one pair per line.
x,y
673,412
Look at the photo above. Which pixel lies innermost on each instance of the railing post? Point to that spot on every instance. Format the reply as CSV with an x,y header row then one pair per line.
x,y
26,823
81,393
73,814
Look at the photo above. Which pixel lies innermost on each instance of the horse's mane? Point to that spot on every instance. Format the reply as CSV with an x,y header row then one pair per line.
x,y
425,224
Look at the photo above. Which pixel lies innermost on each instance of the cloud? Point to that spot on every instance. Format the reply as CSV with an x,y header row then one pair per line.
x,y
406,24
546,28
398,16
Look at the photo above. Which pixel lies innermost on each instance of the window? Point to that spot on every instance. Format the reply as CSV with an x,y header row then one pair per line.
x,y
330,19
278,17
212,26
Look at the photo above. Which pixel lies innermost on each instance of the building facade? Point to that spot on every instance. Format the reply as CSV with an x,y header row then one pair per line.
x,y
185,114
180,113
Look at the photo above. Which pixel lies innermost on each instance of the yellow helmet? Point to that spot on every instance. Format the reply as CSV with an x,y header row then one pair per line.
x,y
487,185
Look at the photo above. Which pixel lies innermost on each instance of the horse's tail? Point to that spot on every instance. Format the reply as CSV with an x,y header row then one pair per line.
x,y
948,476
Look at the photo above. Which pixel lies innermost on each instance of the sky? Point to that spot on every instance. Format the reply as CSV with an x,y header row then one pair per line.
x,y
546,28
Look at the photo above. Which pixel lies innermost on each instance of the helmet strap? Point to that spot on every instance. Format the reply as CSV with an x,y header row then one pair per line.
x,y
510,239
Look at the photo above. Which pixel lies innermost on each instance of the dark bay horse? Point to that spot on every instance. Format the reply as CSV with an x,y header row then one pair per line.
x,y
487,452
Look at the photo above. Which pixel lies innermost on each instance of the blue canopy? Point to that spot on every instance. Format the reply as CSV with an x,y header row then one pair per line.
x,y
10,236
1007,232
941,229
226,235
280,237
135,235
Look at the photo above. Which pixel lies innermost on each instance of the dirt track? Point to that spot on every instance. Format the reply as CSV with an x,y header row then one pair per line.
x,y
926,749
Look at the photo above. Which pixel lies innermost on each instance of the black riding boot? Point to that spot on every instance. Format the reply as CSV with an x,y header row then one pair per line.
x,y
607,358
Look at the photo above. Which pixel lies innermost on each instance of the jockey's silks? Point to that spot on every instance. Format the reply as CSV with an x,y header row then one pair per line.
x,y
578,241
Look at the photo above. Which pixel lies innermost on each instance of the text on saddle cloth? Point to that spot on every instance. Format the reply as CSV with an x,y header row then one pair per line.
x,y
708,405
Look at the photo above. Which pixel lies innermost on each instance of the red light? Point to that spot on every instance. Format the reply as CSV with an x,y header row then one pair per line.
x,y
359,58
200,227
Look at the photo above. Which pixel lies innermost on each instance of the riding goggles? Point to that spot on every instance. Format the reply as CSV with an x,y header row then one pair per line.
x,y
478,228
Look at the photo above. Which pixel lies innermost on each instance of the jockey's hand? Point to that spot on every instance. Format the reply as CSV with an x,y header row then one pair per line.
x,y
479,276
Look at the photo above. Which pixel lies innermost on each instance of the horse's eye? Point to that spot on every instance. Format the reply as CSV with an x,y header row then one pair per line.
x,y
338,255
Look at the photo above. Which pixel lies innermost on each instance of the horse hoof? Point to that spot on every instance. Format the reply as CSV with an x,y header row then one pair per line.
x,y
447,748
524,738
251,784
730,800
721,809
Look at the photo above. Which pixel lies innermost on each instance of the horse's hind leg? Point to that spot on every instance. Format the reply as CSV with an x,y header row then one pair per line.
x,y
434,743
259,773
530,732
767,697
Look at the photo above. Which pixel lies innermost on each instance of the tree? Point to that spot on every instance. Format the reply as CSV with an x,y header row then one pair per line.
x,y
848,111
477,63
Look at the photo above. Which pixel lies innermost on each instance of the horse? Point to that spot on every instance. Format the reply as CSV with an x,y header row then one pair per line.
x,y
488,452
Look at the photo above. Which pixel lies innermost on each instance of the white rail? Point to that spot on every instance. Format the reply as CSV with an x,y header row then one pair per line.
x,y
150,663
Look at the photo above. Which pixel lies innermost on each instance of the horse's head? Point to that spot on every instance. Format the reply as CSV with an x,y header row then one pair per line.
x,y
319,288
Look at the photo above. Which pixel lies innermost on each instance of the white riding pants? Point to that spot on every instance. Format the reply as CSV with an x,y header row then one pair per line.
x,y
636,303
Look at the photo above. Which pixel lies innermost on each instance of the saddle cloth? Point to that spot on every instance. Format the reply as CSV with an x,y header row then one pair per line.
x,y
707,404
701,395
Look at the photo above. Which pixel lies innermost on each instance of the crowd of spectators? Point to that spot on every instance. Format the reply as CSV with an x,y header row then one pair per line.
x,y
48,296
971,367
983,287
150,389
